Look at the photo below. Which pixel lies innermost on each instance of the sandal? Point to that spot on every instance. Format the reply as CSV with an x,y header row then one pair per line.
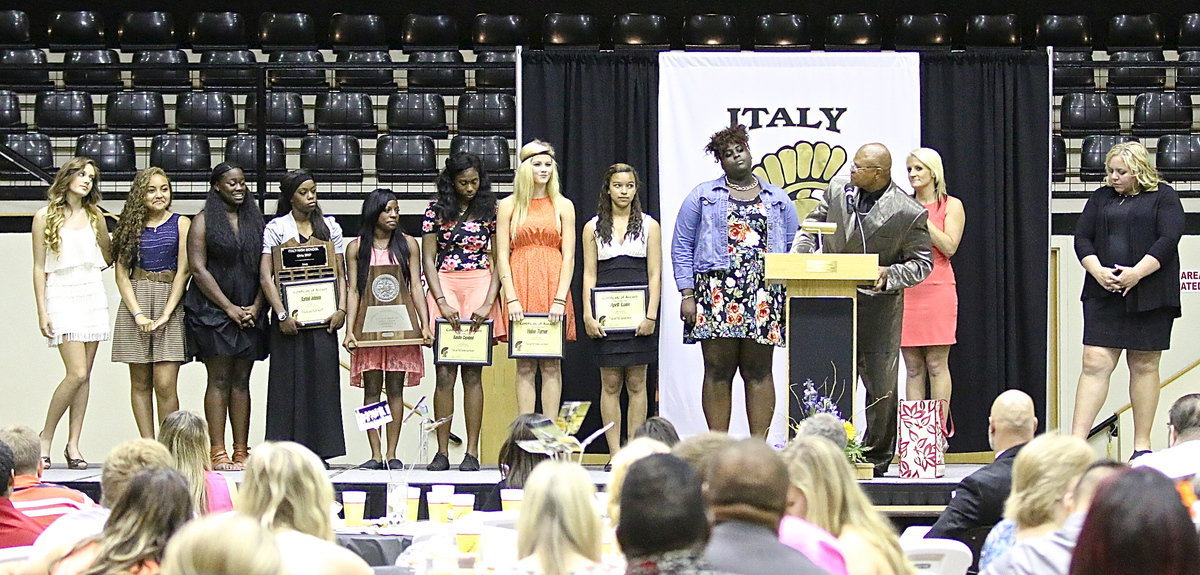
x,y
76,464
45,462
221,460
240,455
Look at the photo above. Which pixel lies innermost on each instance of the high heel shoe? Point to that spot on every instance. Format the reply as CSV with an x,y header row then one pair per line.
x,y
45,462
72,463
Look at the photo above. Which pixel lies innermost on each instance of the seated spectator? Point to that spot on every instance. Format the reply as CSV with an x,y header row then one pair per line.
x,y
978,502
123,462
16,529
664,527
1137,526
515,463
153,507
698,450
43,502
825,492
746,489
1051,555
658,428
1182,459
825,425
185,434
633,451
285,488
1043,473
223,544
559,531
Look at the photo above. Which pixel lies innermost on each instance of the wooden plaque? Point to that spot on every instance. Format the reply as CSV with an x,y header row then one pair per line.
x,y
309,268
386,315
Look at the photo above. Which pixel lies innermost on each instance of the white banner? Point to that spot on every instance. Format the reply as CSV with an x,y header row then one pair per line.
x,y
807,115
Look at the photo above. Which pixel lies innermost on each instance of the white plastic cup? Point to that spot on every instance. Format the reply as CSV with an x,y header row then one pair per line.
x,y
439,507
461,504
442,489
510,499
353,505
414,503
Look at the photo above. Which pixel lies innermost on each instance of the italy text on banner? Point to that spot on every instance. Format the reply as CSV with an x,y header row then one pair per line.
x,y
807,114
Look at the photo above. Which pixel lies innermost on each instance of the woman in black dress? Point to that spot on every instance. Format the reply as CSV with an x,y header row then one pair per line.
x,y
1127,239
303,398
622,246
225,316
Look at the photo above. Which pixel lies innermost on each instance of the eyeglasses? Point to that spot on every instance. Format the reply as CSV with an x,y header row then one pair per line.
x,y
857,168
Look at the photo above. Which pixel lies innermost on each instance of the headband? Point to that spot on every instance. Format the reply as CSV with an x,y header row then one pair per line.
x,y
541,153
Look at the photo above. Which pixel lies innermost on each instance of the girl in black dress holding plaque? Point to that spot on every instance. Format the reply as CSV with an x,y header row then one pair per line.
x,y
622,246
303,399
399,366
225,315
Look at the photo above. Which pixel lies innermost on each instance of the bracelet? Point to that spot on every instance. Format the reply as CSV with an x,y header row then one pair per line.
x,y
653,319
137,314
560,300
439,298
689,296
341,310
512,300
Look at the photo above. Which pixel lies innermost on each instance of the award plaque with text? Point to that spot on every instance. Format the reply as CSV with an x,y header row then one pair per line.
x,y
307,276
386,314
462,347
620,308
536,337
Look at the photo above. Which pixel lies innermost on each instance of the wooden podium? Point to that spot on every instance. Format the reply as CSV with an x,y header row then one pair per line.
x,y
822,323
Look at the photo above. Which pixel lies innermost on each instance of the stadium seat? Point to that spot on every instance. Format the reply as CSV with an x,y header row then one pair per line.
x,y
923,32
30,75
146,31
299,77
563,31
357,32
1187,78
1084,113
186,157
36,148
496,79
1136,80
136,113
284,113
287,31
1069,77
231,79
75,30
14,29
1058,159
64,113
10,113
1064,32
411,113
429,33
373,81
1178,156
113,153
852,32
102,75
405,158
242,150
217,31
993,31
1189,32
1135,32
346,113
640,32
486,114
168,75
710,32
208,113
1158,113
499,32
332,158
443,81
492,149
1093,152
782,32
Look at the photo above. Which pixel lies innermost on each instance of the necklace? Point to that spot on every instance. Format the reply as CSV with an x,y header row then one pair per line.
x,y
1124,197
740,188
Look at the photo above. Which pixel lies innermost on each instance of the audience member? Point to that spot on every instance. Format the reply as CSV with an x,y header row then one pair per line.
x,y
797,532
154,505
16,529
1051,555
1182,458
664,527
698,450
1135,526
185,434
559,530
978,502
825,425
659,428
515,463
829,497
633,451
285,489
746,489
43,502
124,462
1043,473
223,544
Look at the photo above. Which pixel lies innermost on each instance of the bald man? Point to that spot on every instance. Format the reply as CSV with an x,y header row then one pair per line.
x,y
876,216
978,503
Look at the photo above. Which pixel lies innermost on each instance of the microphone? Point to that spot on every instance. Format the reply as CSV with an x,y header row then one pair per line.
x,y
851,192
851,196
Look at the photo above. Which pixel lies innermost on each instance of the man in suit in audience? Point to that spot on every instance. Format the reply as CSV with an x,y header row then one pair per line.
x,y
978,503
16,530
746,488
1051,554
1182,459
875,216
43,502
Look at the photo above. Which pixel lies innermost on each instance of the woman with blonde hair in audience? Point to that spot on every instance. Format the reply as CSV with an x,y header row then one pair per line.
x,y
559,530
825,493
634,450
1043,472
154,506
225,544
286,489
185,434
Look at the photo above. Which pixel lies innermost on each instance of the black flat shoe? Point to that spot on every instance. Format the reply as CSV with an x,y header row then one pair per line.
x,y
76,464
469,463
440,463
1139,453
372,465
395,464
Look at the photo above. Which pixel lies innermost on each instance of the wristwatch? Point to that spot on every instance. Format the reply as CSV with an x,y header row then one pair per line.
x,y
282,316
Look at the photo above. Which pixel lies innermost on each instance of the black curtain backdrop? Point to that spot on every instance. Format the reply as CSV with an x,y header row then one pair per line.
x,y
596,109
988,115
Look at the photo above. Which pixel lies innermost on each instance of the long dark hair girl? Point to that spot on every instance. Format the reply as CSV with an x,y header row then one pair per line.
x,y
374,205
604,221
127,238
287,188
246,246
482,207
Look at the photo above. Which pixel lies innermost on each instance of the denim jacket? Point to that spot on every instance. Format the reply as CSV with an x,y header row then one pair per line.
x,y
702,230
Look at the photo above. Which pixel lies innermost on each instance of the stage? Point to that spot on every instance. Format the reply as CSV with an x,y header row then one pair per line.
x,y
906,501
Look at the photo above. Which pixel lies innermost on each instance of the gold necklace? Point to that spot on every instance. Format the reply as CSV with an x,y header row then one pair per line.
x,y
740,188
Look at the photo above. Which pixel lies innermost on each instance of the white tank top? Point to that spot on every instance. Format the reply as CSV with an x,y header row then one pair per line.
x,y
76,248
633,247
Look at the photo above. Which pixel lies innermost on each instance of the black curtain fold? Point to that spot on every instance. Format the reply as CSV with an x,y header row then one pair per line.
x,y
596,109
988,115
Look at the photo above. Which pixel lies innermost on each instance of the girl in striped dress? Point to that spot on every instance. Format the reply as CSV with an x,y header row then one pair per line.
x,y
152,272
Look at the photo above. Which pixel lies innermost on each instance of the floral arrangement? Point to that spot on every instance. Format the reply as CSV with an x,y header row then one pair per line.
x,y
812,403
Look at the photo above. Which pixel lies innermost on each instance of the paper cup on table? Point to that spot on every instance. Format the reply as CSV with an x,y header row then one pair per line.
x,y
461,504
510,499
353,504
414,503
442,489
467,539
439,506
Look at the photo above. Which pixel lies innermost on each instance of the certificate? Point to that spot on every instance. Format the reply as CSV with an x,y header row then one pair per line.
x,y
462,347
620,308
311,302
536,337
